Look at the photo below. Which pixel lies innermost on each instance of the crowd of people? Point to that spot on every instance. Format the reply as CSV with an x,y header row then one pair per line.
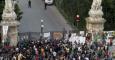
x,y
55,50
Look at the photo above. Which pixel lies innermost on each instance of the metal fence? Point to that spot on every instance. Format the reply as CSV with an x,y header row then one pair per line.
x,y
28,36
36,35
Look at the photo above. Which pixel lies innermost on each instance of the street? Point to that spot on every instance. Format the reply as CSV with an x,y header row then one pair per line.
x,y
31,18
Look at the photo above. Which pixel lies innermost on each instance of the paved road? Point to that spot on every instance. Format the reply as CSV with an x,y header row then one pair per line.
x,y
30,21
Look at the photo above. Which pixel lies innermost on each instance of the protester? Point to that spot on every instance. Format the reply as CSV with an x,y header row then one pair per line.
x,y
57,50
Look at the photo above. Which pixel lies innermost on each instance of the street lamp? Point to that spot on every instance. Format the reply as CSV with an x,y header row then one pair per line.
x,y
42,26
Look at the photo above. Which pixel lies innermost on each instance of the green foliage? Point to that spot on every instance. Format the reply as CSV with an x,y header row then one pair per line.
x,y
1,8
109,14
70,8
18,12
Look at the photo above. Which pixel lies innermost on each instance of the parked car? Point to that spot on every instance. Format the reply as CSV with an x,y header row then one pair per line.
x,y
49,2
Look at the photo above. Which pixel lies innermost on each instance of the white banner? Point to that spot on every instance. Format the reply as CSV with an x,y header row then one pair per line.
x,y
47,34
78,39
82,33
5,30
82,39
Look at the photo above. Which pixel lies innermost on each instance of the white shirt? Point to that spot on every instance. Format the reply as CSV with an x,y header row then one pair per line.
x,y
86,58
20,56
1,57
79,48
79,57
17,49
14,58
54,53
73,58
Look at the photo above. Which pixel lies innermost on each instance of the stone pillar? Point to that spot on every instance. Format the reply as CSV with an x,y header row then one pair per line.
x,y
95,22
13,35
9,19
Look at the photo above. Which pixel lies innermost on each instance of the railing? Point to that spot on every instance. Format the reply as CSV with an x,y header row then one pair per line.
x,y
29,36
36,35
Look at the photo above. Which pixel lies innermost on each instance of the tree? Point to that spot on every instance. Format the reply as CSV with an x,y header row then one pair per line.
x,y
1,8
70,8
109,14
18,12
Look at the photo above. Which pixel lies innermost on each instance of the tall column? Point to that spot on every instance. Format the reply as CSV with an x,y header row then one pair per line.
x,y
9,19
95,22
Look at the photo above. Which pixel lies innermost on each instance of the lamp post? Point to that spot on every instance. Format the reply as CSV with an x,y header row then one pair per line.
x,y
64,32
42,26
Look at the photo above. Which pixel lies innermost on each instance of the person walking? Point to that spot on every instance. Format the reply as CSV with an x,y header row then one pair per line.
x,y
54,55
45,5
29,4
20,56
36,56
14,57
